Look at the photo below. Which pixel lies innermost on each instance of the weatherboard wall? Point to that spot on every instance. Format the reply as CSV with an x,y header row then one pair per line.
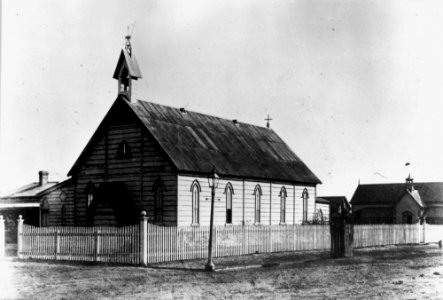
x,y
139,172
243,201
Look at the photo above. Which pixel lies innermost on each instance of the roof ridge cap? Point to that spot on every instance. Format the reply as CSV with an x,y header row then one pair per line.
x,y
203,114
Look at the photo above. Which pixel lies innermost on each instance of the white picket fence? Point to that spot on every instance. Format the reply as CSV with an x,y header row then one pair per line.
x,y
395,234
387,234
182,243
146,243
105,244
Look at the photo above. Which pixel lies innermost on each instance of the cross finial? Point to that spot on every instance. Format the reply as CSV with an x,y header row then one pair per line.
x,y
267,121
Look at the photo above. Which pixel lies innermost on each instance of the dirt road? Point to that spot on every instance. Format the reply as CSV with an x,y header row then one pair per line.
x,y
400,272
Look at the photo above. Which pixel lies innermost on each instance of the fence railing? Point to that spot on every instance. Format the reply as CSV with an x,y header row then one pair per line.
x,y
146,243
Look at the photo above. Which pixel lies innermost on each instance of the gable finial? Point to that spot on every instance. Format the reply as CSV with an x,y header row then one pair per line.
x,y
267,121
128,39
128,44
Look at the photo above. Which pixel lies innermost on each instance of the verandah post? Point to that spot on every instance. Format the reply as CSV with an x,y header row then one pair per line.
x,y
144,239
19,236
2,237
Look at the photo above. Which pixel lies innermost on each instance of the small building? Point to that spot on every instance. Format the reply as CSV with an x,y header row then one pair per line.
x,y
398,203
327,205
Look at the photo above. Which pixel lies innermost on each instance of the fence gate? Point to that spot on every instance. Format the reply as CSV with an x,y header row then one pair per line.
x,y
342,235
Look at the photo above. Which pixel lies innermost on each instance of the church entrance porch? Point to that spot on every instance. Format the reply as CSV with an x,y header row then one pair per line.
x,y
112,206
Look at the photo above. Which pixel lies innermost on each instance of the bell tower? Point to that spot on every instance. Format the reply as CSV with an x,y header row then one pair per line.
x,y
127,70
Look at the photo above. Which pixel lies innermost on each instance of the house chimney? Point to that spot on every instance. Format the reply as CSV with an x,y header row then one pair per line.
x,y
43,178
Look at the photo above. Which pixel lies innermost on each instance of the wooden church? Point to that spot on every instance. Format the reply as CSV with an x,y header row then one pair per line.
x,y
147,156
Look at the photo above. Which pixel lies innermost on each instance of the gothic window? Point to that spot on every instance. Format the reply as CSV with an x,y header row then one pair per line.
x,y
195,190
229,191
305,197
158,190
89,190
124,150
257,195
283,196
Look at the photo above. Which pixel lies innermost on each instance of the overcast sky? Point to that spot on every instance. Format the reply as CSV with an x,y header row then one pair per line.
x,y
354,87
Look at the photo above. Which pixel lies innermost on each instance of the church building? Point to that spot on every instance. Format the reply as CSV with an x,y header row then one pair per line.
x,y
156,158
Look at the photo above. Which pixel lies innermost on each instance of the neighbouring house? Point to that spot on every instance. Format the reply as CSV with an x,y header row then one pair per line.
x,y
398,203
34,202
151,157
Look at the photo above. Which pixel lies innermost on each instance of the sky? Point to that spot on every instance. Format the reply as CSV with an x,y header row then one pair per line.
x,y
355,88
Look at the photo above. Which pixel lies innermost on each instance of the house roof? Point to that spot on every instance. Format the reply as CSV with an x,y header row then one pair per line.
x,y
334,201
391,193
196,142
29,191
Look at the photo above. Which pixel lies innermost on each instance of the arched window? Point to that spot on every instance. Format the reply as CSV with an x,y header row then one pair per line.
x,y
195,190
44,213
305,197
283,196
158,189
229,191
257,195
124,150
407,217
89,191
63,215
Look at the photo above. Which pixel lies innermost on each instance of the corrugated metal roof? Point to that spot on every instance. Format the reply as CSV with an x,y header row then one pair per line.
x,y
195,142
430,193
30,190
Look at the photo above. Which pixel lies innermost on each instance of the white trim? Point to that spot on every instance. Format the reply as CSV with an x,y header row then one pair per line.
x,y
16,205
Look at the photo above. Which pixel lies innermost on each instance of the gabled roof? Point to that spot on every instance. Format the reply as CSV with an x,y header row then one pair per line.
x,y
372,194
195,142
131,63
416,196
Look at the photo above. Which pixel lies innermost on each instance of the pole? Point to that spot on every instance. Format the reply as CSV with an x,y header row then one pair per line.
x,y
210,265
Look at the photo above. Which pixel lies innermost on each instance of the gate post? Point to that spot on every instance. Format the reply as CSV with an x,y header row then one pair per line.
x,y
20,236
2,237
144,239
424,229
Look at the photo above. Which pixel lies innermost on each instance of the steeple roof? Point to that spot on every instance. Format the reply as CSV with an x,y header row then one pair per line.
x,y
131,62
